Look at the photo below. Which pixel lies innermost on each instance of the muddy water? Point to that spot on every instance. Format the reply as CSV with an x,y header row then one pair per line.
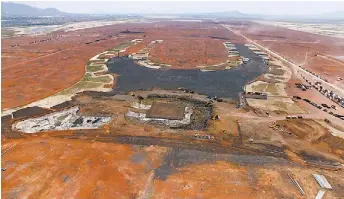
x,y
225,83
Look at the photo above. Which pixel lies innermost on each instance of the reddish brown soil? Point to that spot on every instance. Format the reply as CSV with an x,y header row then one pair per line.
x,y
187,45
202,181
35,67
57,168
200,52
314,96
50,66
137,47
44,166
327,68
303,129
295,45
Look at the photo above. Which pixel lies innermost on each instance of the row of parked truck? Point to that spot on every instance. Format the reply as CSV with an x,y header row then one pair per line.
x,y
325,107
329,94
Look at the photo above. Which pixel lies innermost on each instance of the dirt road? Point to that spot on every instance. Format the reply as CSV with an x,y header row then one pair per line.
x,y
296,69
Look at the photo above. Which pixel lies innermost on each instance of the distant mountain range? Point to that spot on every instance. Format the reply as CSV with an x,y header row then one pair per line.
x,y
9,9
221,15
338,15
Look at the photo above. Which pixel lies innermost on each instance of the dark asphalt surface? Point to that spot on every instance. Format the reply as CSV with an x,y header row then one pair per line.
x,y
225,83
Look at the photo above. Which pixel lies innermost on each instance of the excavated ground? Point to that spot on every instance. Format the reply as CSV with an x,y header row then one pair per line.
x,y
239,154
312,51
126,159
30,70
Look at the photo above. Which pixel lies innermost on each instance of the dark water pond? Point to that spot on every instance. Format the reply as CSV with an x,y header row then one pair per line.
x,y
225,83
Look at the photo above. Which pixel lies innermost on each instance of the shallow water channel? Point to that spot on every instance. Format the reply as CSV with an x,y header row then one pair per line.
x,y
223,83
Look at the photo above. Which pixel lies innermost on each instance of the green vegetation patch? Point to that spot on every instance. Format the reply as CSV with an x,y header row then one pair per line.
x,y
81,85
95,61
271,88
234,63
111,52
102,79
220,67
94,68
87,85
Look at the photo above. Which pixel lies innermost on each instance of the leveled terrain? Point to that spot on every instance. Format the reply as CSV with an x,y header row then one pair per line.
x,y
316,53
188,45
35,67
170,132
245,156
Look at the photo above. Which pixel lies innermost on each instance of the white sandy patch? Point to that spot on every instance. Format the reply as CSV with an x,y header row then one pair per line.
x,y
172,123
334,30
41,30
62,120
140,106
278,99
145,64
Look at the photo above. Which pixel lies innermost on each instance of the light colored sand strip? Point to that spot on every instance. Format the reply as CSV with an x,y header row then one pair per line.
x,y
320,194
322,181
68,93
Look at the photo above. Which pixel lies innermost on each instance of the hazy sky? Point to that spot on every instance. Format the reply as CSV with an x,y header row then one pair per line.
x,y
167,7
